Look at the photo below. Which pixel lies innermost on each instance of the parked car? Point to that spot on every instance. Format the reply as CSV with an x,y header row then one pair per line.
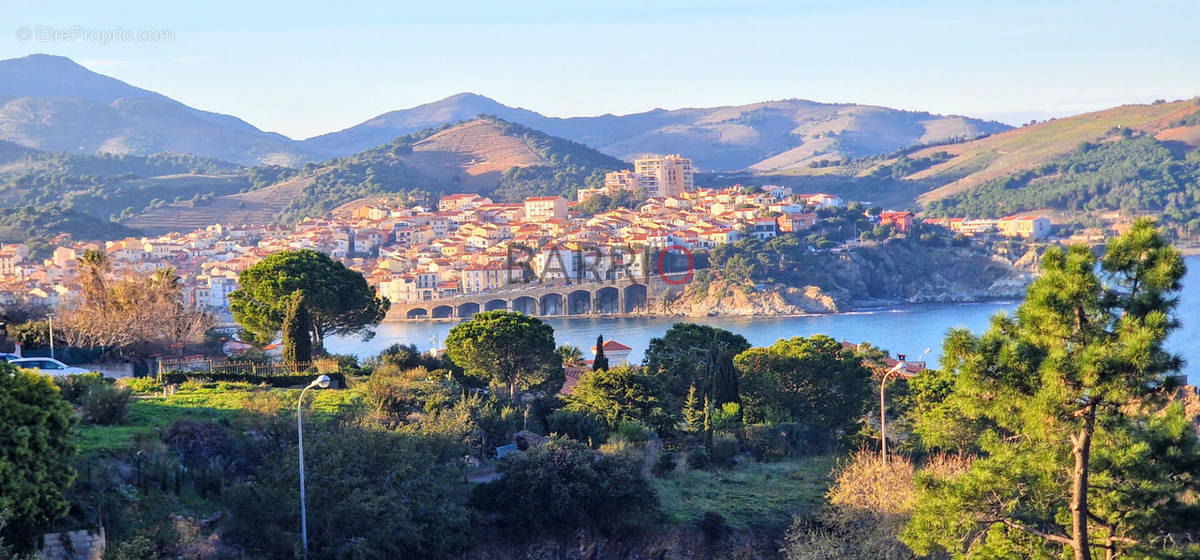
x,y
48,366
4,357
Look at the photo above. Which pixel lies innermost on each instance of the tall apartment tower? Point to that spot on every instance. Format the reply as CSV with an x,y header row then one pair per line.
x,y
664,175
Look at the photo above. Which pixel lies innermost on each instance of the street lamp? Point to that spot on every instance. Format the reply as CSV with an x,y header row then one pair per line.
x,y
901,365
50,319
318,383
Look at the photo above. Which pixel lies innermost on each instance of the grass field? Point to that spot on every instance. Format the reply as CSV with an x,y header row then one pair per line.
x,y
150,414
755,494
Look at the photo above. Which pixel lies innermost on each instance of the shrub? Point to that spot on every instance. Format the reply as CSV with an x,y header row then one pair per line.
x,y
562,486
767,442
577,425
74,388
279,381
134,548
697,458
632,431
197,442
106,404
388,395
666,464
372,494
713,525
764,442
869,505
724,447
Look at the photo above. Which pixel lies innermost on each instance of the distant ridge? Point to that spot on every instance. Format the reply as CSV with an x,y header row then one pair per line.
x,y
767,136
51,103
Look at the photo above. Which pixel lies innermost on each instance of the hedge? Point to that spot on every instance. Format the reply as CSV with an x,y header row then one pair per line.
x,y
281,381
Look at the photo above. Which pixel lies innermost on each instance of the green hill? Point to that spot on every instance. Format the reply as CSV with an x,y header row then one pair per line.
x,y
486,155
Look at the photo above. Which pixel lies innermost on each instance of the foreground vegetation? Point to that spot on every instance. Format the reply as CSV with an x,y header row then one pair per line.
x,y
1056,433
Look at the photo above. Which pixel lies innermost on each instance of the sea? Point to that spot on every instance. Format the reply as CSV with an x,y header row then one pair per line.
x,y
915,330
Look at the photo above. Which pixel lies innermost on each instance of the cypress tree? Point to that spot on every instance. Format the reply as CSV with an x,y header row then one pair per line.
x,y
297,324
601,361
692,414
724,379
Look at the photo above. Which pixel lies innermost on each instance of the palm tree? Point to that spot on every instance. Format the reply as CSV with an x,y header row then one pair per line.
x,y
572,356
93,269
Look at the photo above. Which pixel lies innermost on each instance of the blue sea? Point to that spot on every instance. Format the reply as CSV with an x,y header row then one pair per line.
x,y
903,329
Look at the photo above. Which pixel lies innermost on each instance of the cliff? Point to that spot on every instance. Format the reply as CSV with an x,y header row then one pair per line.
x,y
888,273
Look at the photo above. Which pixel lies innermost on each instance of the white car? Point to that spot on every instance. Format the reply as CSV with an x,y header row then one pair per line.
x,y
48,366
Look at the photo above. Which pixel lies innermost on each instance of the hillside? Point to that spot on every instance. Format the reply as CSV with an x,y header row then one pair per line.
x,y
766,136
486,155
973,163
56,192
260,206
51,103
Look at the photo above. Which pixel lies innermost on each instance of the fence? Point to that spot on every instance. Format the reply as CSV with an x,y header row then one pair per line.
x,y
200,365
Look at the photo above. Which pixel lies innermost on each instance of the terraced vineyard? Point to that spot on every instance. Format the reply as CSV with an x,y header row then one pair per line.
x,y
255,207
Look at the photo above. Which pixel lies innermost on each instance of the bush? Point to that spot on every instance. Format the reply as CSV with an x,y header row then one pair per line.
x,y
869,505
106,404
279,381
388,395
196,441
666,464
74,388
135,548
765,443
697,458
562,486
577,425
633,432
724,447
372,494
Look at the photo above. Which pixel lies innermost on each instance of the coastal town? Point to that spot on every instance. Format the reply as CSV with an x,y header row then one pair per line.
x,y
471,244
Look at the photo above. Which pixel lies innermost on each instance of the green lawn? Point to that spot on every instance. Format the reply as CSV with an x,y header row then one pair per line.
x,y
149,414
756,494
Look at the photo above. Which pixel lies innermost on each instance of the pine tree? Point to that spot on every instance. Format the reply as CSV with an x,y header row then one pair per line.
x,y
601,361
297,324
1066,404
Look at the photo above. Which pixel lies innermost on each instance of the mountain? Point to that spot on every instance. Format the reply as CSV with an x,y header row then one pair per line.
x,y
487,155
1086,169
768,136
383,128
52,103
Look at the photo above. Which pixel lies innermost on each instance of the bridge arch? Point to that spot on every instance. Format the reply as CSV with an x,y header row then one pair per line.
x,y
636,296
607,300
468,309
417,313
495,305
526,305
442,312
552,304
579,302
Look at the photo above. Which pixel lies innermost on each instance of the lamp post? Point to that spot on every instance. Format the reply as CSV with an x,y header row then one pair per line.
x,y
318,383
883,408
50,319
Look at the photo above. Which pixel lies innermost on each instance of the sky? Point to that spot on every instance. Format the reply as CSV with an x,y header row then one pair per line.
x,y
305,68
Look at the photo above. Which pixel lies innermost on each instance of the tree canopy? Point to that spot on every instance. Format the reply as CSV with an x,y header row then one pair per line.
x,y
620,394
36,447
686,354
1064,405
338,300
810,380
512,350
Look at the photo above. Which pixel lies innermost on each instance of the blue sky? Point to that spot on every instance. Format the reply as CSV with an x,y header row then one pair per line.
x,y
303,68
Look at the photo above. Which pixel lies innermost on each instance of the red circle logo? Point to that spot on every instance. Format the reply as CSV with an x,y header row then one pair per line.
x,y
690,267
